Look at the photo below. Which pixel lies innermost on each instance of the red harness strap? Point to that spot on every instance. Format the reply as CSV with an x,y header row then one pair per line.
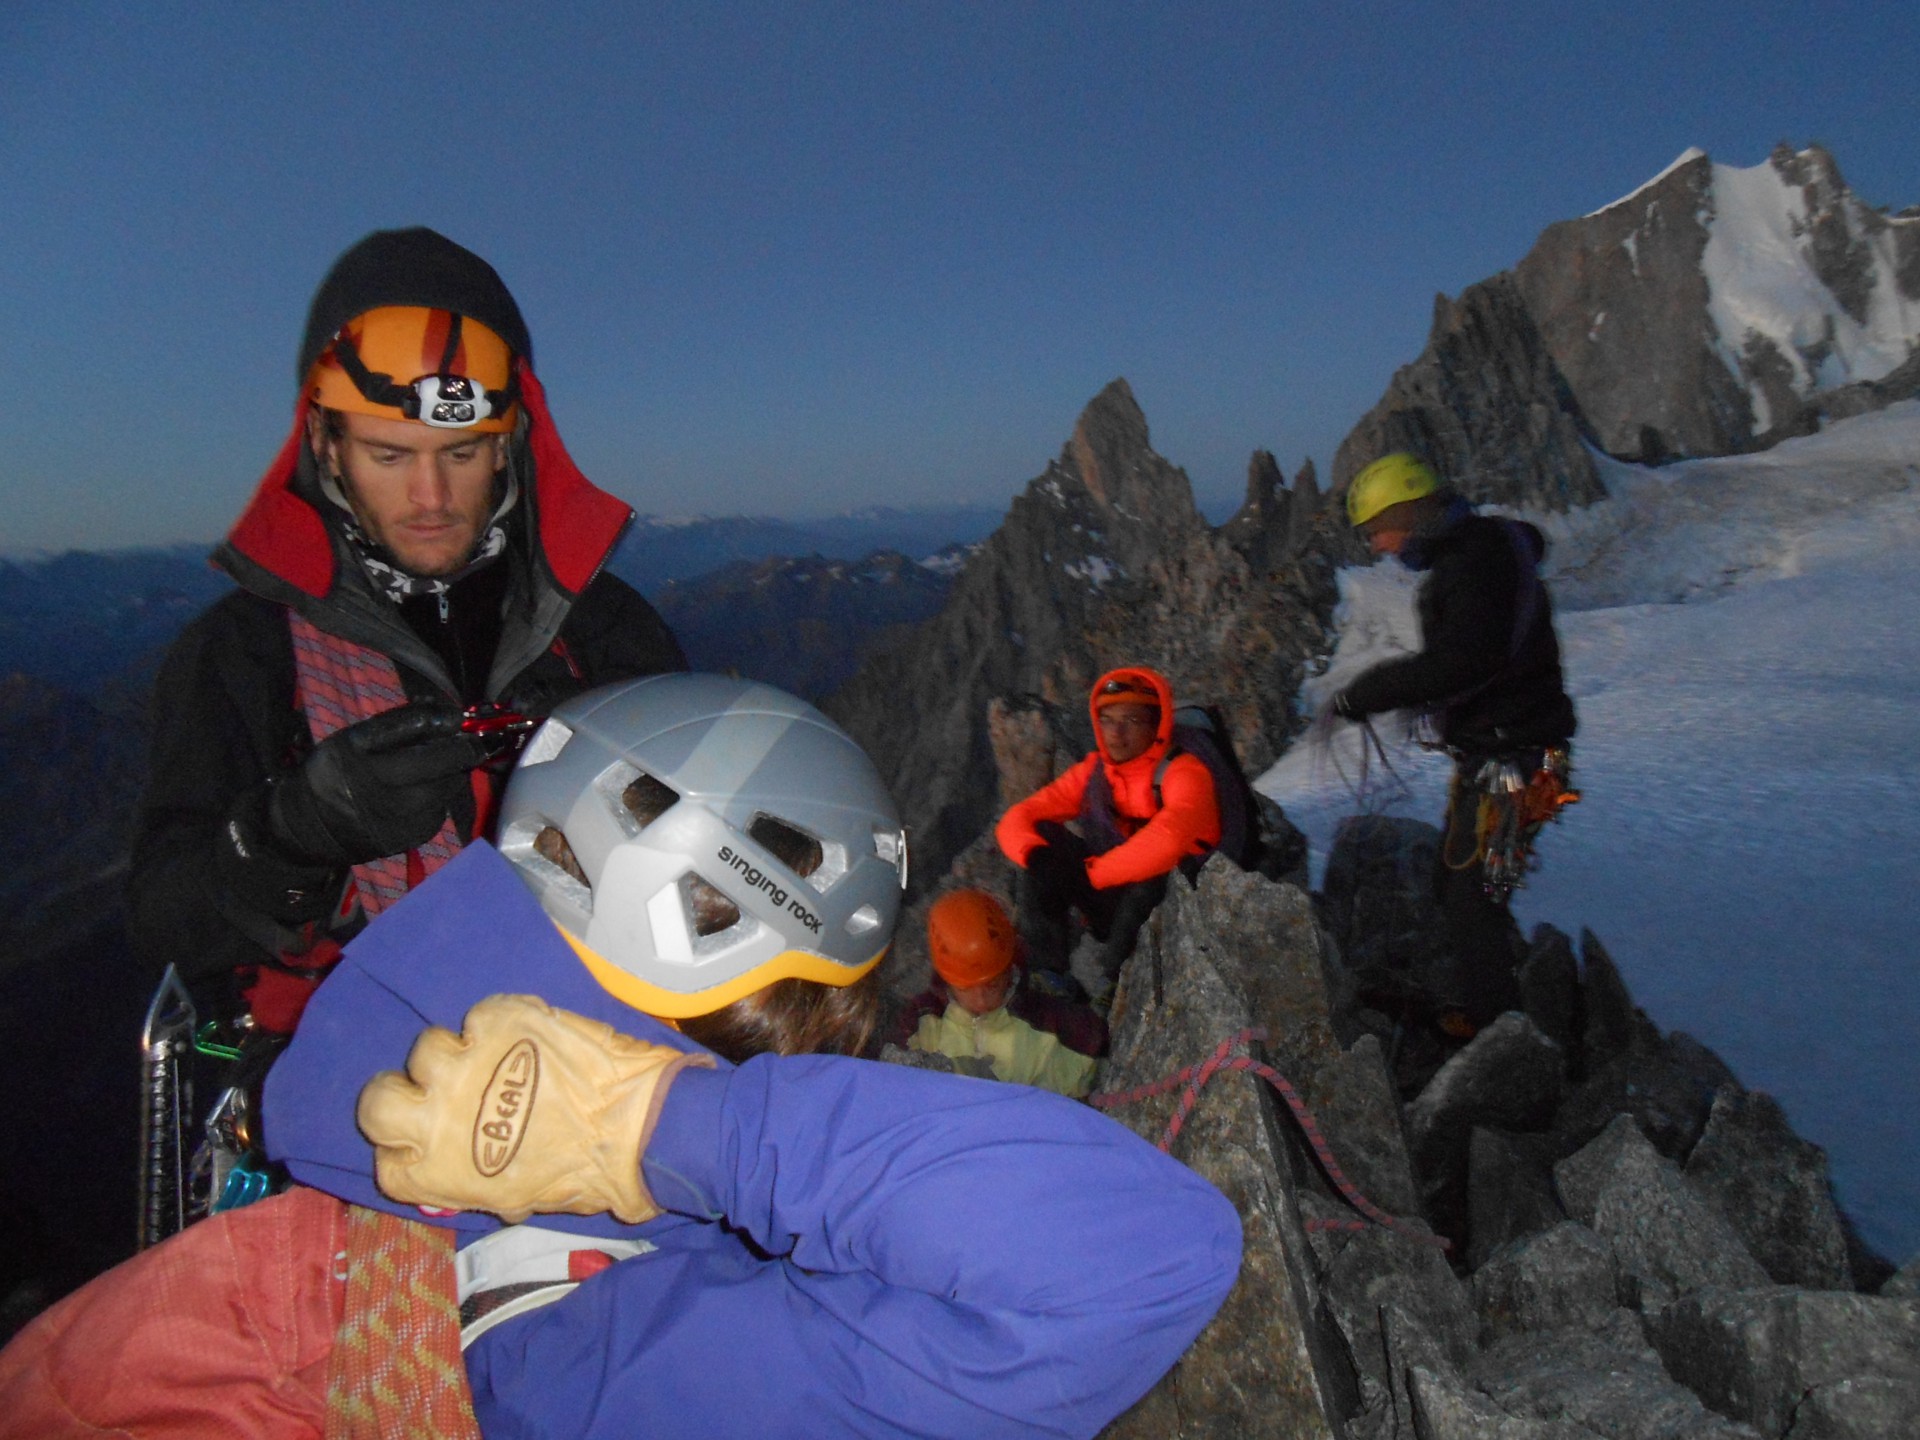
x,y
338,682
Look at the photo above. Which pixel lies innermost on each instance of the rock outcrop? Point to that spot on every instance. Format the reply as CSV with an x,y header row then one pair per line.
x,y
1795,1362
1775,1189
1264,1367
1486,404
1606,1283
1103,560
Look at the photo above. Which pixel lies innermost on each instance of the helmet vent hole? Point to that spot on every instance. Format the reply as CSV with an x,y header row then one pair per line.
x,y
795,849
862,920
712,912
647,799
550,845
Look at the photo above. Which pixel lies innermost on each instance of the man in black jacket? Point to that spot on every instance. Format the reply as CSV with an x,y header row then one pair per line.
x,y
1488,679
421,556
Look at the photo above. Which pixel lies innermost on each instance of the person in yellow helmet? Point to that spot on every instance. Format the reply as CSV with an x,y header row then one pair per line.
x,y
1486,680
980,1006
421,556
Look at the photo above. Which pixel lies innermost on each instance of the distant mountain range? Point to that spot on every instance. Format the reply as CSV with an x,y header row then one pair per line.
x,y
657,550
76,620
804,623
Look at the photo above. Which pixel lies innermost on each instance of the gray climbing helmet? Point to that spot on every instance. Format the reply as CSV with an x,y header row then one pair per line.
x,y
699,838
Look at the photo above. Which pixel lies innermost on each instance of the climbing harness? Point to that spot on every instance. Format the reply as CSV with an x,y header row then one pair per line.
x,y
1512,802
1195,1078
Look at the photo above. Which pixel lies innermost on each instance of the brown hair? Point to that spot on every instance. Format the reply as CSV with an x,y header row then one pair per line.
x,y
788,1017
792,1017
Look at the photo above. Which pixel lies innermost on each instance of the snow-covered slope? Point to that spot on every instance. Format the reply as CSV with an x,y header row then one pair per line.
x,y
1742,638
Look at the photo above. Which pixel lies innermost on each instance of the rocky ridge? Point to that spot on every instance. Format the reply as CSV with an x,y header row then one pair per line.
x,y
1640,1248
1636,1246
1487,405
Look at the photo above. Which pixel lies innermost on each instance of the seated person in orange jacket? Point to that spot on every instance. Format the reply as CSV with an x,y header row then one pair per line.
x,y
1139,811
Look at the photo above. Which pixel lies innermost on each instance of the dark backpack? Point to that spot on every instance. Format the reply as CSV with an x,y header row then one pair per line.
x,y
1199,731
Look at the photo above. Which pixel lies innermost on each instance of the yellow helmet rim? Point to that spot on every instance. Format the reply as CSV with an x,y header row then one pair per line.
x,y
664,1004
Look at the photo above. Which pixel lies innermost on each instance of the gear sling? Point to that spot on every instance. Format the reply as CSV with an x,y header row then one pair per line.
x,y
1513,794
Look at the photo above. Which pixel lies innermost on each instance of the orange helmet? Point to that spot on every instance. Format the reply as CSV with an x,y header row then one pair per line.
x,y
970,936
407,362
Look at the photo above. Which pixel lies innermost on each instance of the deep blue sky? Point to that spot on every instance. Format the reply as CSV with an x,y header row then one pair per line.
x,y
787,259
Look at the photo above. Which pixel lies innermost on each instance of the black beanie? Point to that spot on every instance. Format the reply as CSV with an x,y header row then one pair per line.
x,y
410,267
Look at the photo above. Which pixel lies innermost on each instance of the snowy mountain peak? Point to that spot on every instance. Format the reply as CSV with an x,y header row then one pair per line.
x,y
1685,157
1807,286
1719,309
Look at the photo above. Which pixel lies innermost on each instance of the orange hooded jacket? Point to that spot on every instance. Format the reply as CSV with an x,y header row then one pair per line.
x,y
1159,835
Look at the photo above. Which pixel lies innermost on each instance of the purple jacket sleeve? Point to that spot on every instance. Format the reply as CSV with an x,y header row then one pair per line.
x,y
939,1256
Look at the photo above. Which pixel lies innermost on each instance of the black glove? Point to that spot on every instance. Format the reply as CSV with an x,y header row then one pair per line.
x,y
375,788
268,895
537,699
1060,865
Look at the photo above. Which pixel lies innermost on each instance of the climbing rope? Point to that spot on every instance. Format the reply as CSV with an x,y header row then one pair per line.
x,y
1195,1078
1371,796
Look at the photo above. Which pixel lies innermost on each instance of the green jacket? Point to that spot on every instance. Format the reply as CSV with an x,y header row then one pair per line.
x,y
1018,1052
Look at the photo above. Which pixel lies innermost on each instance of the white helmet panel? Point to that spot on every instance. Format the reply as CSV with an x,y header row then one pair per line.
x,y
779,851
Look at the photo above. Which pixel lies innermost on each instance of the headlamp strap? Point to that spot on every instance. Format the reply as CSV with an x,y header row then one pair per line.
x,y
443,399
452,347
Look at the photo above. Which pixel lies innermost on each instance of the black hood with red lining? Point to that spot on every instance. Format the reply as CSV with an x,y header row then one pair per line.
x,y
283,544
284,534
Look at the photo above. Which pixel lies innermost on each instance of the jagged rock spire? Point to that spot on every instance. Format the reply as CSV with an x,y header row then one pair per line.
x,y
1274,522
1486,404
1114,458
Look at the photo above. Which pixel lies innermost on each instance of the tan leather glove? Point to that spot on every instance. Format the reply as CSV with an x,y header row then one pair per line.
x,y
529,1109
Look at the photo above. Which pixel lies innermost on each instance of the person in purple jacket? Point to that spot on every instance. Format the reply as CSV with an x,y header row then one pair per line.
x,y
594,1185
802,1244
